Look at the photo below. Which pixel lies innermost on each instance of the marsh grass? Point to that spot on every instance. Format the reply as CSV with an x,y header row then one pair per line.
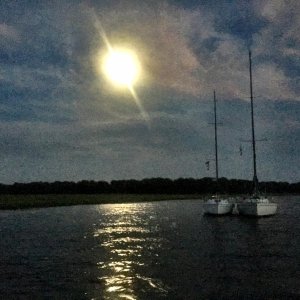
x,y
31,201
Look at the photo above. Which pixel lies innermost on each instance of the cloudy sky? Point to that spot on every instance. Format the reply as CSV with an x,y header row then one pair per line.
x,y
60,119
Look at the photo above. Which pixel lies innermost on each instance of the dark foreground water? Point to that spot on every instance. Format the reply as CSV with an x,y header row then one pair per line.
x,y
158,250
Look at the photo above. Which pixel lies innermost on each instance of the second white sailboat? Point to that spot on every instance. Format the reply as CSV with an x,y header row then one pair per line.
x,y
255,205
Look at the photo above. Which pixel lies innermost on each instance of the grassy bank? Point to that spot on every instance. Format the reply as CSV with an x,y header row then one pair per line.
x,y
31,201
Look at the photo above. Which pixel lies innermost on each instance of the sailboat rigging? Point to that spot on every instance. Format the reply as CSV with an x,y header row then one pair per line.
x,y
256,205
217,205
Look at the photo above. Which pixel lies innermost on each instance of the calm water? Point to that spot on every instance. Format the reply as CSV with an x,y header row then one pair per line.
x,y
159,250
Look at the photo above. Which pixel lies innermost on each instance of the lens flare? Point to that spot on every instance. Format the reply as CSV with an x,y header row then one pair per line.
x,y
122,67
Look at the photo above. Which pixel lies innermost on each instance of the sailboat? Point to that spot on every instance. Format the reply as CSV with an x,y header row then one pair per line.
x,y
255,205
217,205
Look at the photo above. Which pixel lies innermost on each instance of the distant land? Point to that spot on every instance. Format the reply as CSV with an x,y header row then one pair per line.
x,y
149,186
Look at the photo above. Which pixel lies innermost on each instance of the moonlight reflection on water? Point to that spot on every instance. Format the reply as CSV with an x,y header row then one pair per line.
x,y
126,235
158,250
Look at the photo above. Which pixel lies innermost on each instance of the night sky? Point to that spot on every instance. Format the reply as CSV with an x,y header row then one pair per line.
x,y
60,119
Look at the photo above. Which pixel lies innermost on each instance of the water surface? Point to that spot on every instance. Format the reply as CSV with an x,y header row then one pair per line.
x,y
155,250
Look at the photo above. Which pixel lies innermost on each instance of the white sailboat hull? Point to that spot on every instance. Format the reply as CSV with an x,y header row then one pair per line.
x,y
217,208
257,209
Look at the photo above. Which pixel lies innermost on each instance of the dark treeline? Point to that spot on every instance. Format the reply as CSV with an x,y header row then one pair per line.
x,y
149,186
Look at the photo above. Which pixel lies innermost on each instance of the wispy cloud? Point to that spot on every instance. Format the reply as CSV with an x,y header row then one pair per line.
x,y
185,51
9,32
278,42
66,122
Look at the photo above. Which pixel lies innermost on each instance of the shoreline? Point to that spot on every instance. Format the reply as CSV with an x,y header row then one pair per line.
x,y
14,202
28,201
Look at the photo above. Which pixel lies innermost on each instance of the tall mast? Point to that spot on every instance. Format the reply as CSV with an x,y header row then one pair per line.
x,y
255,180
216,138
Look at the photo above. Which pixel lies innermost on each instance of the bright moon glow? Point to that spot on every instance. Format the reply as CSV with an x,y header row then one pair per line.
x,y
121,67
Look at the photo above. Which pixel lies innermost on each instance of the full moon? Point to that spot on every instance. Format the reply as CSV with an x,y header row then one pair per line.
x,y
121,67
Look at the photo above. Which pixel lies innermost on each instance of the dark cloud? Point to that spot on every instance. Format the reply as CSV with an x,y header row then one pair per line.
x,y
61,120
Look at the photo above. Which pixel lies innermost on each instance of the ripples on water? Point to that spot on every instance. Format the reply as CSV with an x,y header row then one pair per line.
x,y
130,240
159,250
